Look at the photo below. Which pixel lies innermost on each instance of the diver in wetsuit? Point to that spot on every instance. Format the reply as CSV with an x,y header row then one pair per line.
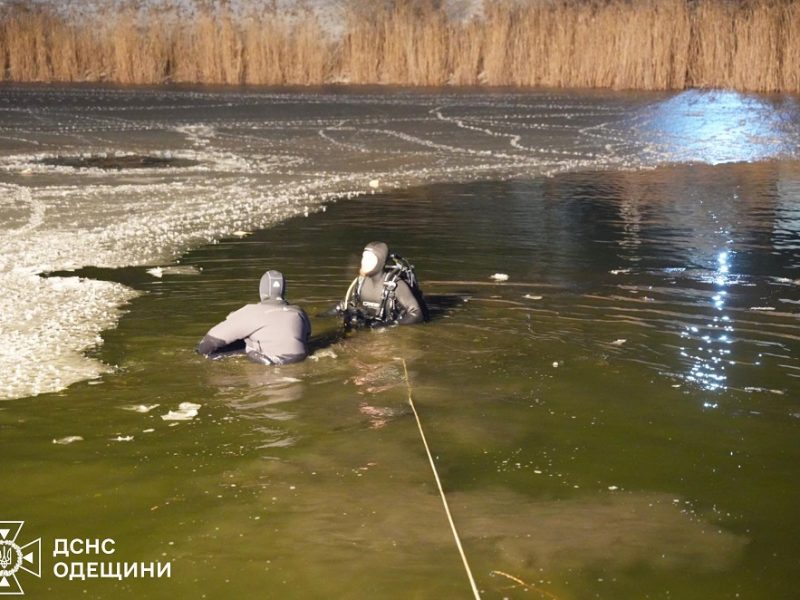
x,y
385,292
274,332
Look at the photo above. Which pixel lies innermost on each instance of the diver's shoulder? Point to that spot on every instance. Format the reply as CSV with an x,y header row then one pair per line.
x,y
294,308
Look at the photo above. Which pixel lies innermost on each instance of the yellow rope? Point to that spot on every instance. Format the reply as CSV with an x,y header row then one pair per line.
x,y
439,485
530,586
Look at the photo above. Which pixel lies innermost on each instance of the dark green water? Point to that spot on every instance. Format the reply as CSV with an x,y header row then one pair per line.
x,y
619,419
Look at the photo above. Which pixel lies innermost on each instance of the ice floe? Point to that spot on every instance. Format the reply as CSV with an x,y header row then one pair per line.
x,y
186,412
70,439
324,353
141,408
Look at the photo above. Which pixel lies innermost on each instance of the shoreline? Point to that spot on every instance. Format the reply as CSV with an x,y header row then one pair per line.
x,y
670,45
345,88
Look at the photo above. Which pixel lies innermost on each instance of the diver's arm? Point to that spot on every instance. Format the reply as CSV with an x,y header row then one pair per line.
x,y
209,344
410,310
237,326
306,327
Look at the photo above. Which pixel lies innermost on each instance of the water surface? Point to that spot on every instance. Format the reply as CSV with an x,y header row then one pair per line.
x,y
617,420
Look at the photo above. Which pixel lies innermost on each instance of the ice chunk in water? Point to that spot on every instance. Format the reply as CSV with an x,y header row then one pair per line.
x,y
141,408
68,440
325,353
181,270
186,412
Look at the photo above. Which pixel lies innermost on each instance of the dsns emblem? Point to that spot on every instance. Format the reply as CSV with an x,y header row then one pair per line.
x,y
15,558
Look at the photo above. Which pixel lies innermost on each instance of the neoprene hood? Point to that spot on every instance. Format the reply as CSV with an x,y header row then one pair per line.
x,y
272,286
381,252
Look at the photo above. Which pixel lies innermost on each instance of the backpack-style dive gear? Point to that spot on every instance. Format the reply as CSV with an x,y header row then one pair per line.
x,y
387,311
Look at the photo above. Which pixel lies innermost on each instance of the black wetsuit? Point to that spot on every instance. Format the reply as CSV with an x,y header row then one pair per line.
x,y
404,305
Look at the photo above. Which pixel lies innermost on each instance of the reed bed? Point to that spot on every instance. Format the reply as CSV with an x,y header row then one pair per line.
x,y
622,44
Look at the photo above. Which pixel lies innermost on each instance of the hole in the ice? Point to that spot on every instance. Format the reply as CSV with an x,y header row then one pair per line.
x,y
128,161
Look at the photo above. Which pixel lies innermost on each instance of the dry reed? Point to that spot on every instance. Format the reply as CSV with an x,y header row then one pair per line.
x,y
622,44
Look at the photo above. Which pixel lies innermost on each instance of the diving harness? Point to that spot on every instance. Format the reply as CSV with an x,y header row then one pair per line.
x,y
397,269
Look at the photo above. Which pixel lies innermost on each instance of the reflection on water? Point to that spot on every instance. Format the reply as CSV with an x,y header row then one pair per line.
x,y
262,396
684,124
715,254
709,362
616,420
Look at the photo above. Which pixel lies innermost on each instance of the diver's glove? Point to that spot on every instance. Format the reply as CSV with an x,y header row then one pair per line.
x,y
353,318
208,345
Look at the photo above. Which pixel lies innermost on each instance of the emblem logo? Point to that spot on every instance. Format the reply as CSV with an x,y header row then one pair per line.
x,y
15,558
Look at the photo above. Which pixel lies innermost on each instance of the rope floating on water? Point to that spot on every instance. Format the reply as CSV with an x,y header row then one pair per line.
x,y
527,586
439,485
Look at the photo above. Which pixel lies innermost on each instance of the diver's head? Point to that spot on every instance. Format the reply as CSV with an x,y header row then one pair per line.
x,y
272,286
374,258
